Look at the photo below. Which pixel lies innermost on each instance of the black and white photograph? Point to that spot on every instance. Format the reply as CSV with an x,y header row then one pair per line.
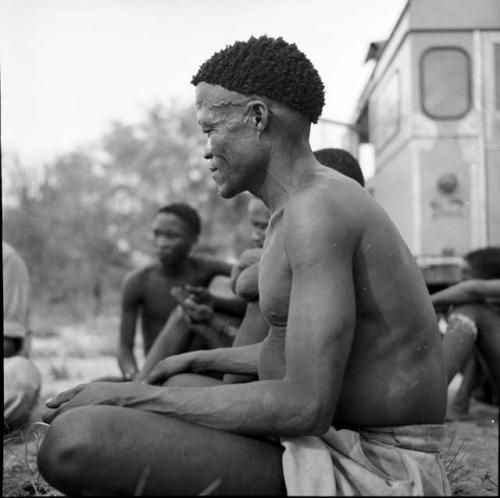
x,y
250,248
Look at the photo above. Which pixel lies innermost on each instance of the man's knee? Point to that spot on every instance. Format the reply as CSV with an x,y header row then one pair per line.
x,y
68,448
22,382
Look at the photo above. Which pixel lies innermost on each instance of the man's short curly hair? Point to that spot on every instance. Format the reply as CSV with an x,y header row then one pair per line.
x,y
186,213
269,67
485,262
342,161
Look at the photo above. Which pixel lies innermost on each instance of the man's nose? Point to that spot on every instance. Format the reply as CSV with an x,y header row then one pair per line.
x,y
162,241
207,152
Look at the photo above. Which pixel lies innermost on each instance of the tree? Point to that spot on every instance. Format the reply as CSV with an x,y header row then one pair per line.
x,y
81,224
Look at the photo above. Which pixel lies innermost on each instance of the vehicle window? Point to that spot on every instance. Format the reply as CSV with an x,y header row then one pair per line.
x,y
445,83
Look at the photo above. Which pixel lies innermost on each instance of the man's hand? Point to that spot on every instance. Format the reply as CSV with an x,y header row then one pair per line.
x,y
93,393
169,367
198,312
200,295
197,302
127,365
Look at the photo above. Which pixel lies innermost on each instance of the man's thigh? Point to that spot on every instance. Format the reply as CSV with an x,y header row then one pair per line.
x,y
121,450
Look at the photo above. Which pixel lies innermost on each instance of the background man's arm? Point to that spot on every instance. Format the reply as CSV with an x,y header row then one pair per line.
x,y
241,360
467,291
129,311
231,303
253,329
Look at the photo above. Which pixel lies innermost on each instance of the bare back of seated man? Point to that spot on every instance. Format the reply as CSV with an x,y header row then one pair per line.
x,y
147,291
351,390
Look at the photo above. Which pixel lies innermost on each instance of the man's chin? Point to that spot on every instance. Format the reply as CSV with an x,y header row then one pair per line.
x,y
225,192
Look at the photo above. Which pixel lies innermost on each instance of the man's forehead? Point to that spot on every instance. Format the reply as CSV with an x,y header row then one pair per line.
x,y
166,219
214,97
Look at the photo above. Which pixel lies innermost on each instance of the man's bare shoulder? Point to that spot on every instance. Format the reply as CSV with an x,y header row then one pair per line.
x,y
138,275
325,200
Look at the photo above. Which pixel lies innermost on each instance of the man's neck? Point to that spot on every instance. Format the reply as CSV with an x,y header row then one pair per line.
x,y
174,269
284,172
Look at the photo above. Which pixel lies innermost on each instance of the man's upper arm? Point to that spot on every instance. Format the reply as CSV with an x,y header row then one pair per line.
x,y
220,267
320,246
130,302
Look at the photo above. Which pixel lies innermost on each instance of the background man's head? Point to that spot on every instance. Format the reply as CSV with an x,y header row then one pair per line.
x,y
176,228
248,96
258,215
482,263
341,161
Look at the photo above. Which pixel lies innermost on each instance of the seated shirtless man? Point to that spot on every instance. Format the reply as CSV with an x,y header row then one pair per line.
x,y
351,390
147,291
195,319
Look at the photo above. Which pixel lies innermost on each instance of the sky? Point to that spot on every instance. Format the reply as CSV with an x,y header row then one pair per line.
x,y
70,67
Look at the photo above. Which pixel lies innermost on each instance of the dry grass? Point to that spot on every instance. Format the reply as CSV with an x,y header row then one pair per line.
x,y
21,476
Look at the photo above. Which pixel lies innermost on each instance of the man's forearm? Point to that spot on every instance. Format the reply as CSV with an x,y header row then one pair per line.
x,y
231,305
243,360
262,408
127,362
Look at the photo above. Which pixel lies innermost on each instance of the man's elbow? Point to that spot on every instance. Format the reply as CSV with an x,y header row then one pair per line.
x,y
310,419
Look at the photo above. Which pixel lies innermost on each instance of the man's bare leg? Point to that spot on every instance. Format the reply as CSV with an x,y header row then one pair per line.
x,y
458,407
460,340
488,344
105,450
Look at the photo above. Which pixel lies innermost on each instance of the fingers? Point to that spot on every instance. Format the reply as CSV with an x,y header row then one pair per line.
x,y
56,401
49,415
157,375
129,373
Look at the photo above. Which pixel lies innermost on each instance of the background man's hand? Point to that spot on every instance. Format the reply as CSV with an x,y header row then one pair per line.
x,y
200,295
169,367
127,366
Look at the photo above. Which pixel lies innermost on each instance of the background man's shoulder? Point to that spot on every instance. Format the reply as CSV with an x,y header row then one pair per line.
x,y
139,274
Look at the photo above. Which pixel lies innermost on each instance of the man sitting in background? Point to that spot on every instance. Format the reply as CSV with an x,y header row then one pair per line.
x,y
147,291
195,316
472,340
22,380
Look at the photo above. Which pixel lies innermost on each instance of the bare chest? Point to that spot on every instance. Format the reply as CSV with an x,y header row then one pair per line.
x,y
275,279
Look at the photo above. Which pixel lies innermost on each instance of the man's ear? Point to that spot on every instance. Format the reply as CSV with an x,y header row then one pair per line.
x,y
259,112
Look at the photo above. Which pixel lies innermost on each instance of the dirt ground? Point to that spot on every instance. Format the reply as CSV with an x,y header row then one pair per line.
x,y
67,356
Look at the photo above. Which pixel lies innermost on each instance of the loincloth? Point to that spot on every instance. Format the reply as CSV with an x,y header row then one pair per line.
x,y
401,460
